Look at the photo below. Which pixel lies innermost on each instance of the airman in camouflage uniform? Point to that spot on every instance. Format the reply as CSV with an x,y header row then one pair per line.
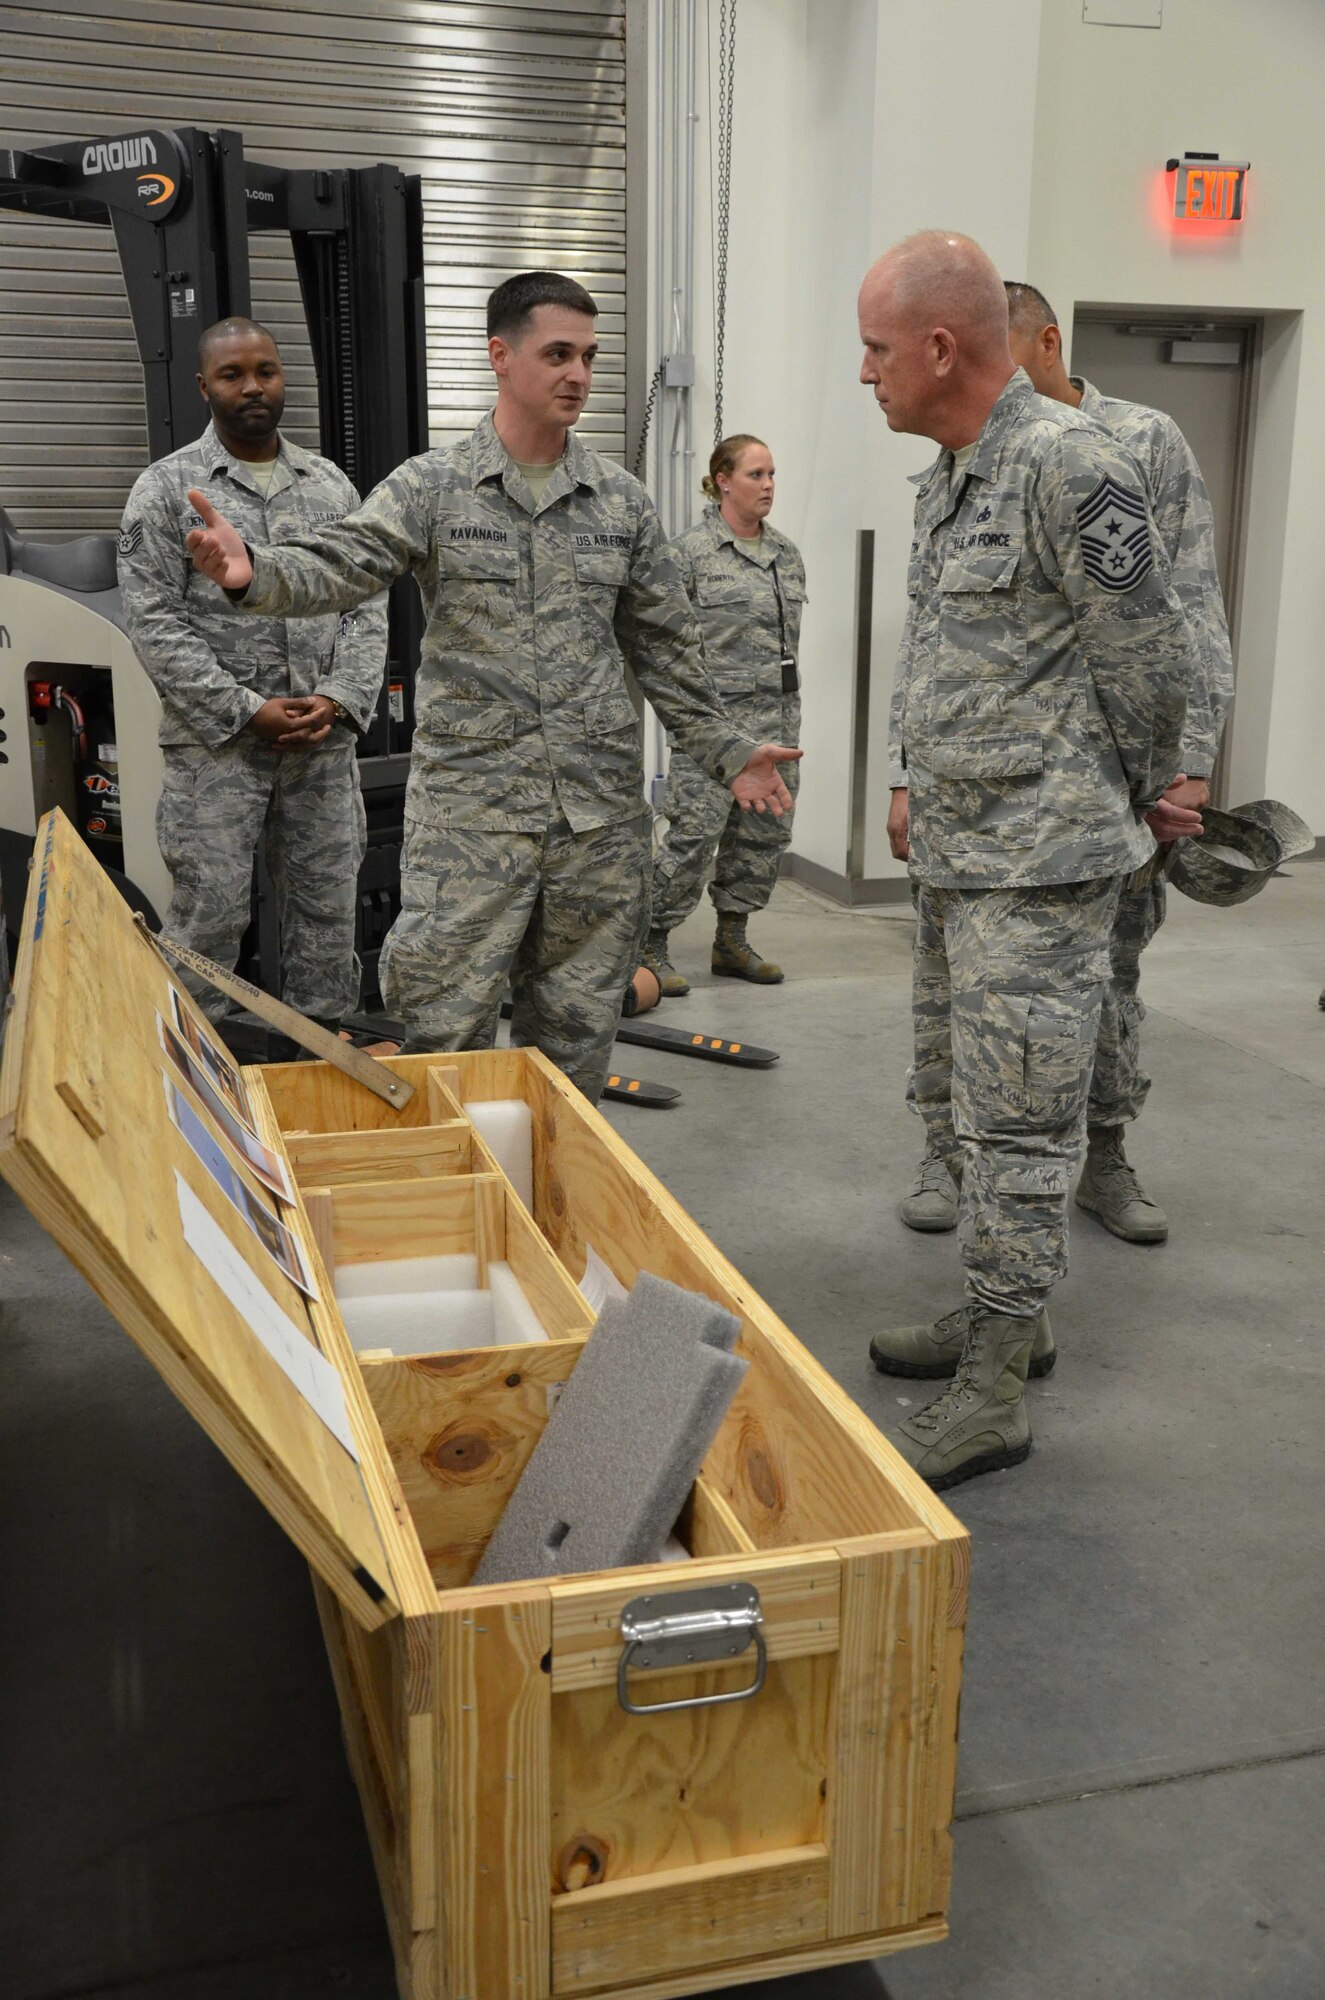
x,y
1182,513
1042,700
527,847
225,787
748,600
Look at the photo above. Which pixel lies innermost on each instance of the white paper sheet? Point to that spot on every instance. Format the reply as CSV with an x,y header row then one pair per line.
x,y
310,1371
600,1282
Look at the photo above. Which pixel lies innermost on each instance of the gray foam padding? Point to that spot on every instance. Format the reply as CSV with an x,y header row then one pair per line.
x,y
626,1439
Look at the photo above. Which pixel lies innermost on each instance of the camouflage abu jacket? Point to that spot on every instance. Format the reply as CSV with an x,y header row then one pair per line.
x,y
1041,687
749,606
1181,506
521,705
213,669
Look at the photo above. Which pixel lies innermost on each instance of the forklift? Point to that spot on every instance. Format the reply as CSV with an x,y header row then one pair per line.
x,y
78,715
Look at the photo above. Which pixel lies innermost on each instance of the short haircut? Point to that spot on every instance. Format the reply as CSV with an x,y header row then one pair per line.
x,y
513,302
1028,309
226,329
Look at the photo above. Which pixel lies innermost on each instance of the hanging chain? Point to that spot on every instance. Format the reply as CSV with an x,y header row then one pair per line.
x,y
726,87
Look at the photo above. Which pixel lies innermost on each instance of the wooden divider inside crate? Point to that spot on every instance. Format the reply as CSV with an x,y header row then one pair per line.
x,y
329,1159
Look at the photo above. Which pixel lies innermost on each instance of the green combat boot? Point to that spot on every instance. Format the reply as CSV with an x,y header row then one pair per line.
x,y
1110,1189
979,1423
935,1350
932,1202
672,983
734,957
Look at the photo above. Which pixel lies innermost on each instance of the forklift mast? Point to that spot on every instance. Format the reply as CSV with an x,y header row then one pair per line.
x,y
182,205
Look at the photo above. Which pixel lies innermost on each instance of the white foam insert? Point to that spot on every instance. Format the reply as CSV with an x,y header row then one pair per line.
x,y
508,1127
515,1319
407,1274
431,1305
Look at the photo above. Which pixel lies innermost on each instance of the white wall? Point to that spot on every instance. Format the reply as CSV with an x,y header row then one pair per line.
x,y
1113,105
854,124
860,120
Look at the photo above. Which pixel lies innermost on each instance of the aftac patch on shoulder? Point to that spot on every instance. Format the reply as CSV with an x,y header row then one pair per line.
x,y
1114,529
131,538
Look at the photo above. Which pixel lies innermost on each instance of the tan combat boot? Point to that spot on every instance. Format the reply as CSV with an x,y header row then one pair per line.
x,y
932,1203
734,957
672,983
1110,1189
979,1423
933,1351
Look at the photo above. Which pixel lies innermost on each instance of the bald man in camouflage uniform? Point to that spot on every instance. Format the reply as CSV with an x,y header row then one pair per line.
x,y
1180,503
259,718
527,841
1043,669
748,600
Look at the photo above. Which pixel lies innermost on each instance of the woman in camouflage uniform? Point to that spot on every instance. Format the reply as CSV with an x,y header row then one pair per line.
x,y
747,585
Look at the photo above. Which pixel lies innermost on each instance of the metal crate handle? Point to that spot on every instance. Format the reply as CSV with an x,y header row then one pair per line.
x,y
716,1622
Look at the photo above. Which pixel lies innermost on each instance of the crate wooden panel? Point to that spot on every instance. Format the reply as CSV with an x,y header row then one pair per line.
x,y
532,1838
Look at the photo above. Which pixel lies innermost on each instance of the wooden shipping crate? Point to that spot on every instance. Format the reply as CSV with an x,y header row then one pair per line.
x,y
532,1837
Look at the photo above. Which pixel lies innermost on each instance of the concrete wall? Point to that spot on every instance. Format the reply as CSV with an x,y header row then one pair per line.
x,y
861,120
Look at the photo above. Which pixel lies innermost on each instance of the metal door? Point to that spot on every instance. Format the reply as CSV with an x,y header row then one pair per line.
x,y
1198,370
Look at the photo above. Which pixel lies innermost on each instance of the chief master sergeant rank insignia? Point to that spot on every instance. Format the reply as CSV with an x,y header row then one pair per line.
x,y
1115,536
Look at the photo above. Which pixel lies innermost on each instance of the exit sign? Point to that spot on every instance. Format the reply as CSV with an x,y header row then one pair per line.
x,y
1208,189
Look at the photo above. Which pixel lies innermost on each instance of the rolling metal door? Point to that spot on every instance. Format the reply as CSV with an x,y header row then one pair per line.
x,y
514,116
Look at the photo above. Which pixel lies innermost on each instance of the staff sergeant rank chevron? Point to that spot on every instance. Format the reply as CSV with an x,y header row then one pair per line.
x,y
1115,536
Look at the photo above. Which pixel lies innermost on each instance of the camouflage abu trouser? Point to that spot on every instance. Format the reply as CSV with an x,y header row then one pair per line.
x,y
214,807
1119,1085
559,915
1007,987
702,815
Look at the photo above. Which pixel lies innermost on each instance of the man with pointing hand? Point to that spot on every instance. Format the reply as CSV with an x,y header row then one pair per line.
x,y
543,569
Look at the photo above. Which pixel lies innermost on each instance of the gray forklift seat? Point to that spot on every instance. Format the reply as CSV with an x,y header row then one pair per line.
x,y
86,565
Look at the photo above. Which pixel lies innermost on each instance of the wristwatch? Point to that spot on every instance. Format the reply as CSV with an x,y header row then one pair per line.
x,y
342,714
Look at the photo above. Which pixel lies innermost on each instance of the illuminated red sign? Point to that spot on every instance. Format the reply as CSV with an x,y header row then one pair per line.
x,y
1208,189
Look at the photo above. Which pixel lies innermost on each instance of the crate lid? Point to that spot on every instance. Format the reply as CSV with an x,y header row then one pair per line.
x,y
122,1164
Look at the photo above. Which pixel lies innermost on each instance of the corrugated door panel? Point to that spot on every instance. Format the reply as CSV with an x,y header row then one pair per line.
x,y
514,116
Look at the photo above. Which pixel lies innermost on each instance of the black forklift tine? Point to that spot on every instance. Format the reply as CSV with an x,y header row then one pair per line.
x,y
634,1090
686,1042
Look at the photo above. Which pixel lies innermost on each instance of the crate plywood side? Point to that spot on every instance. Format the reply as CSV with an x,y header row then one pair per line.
x,y
795,1458
883,1797
111,1203
785,1965
379,1821
687,1917
460,1429
947,1709
636,1794
494,1711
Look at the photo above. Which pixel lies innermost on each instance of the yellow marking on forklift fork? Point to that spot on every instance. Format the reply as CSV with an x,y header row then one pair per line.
x,y
736,1048
716,1043
697,1041
633,1084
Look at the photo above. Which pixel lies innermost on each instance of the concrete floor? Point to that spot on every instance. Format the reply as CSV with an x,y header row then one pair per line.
x,y
1142,1785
